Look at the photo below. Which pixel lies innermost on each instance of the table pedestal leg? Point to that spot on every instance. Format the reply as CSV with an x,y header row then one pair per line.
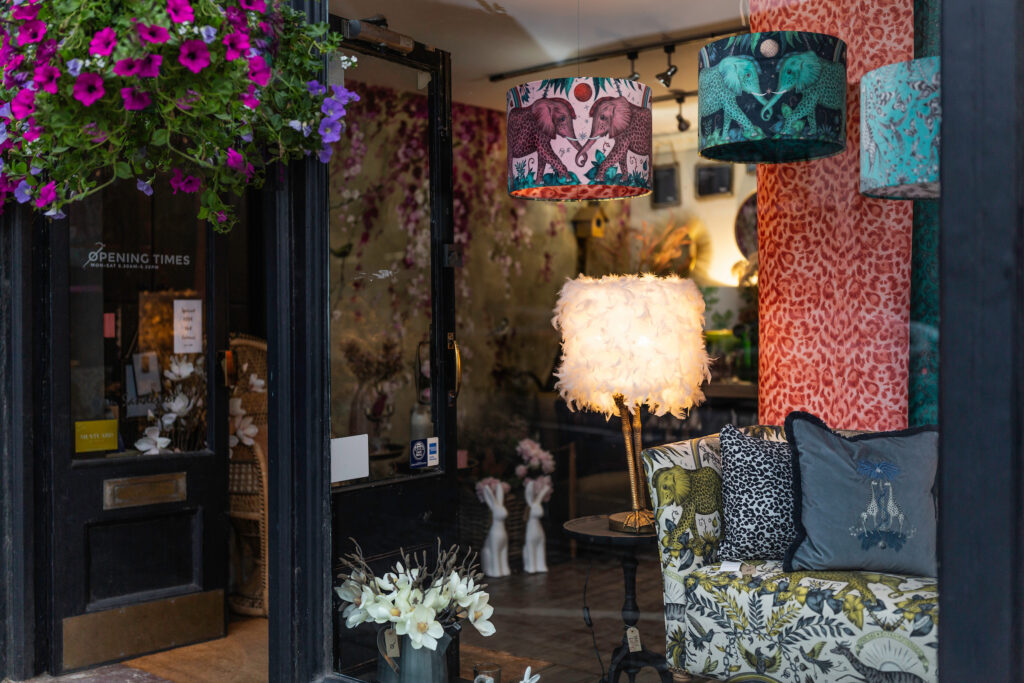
x,y
624,661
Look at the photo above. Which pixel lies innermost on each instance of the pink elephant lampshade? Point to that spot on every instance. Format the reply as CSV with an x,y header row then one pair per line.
x,y
572,139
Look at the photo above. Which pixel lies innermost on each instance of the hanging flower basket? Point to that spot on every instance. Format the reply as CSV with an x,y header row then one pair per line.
x,y
207,93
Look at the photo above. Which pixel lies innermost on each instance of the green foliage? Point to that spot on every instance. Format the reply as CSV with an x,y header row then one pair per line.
x,y
206,126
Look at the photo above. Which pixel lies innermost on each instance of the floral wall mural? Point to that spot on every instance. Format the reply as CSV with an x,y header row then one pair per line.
x,y
835,265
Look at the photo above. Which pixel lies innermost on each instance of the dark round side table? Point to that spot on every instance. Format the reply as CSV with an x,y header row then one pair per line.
x,y
594,529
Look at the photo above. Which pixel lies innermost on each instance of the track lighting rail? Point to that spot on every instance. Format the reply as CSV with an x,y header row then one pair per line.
x,y
685,39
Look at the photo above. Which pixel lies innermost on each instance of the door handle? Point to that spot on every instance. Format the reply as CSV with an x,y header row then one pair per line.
x,y
454,346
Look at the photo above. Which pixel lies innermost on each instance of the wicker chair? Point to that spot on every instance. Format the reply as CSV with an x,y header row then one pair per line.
x,y
247,488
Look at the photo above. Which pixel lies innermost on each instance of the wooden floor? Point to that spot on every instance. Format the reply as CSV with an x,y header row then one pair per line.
x,y
538,619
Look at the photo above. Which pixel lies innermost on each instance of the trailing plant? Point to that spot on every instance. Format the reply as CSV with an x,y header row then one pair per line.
x,y
208,93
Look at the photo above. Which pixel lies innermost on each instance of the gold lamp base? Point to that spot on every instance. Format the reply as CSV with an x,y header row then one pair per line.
x,y
632,522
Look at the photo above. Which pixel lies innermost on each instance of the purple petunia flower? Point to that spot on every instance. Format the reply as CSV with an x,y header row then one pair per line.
x,y
221,217
126,67
237,44
259,72
236,17
208,33
31,32
23,104
5,110
47,194
187,183
88,88
332,108
316,88
149,66
3,139
246,137
194,55
324,155
151,33
179,11
144,187
330,130
46,77
55,214
343,94
74,67
135,100
46,49
21,192
253,5
104,42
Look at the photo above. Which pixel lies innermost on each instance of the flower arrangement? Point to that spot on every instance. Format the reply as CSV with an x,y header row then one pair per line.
x,y
243,428
210,92
417,601
178,420
492,483
537,465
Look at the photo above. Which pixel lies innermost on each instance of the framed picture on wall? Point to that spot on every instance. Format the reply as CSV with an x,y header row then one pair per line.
x,y
713,179
666,185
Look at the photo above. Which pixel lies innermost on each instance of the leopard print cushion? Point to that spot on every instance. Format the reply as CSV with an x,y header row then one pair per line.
x,y
757,497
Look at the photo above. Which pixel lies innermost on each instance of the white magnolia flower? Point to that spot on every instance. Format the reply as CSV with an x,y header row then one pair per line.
x,y
180,405
355,613
421,627
245,430
152,442
479,614
167,419
438,598
256,384
235,408
530,677
463,590
181,368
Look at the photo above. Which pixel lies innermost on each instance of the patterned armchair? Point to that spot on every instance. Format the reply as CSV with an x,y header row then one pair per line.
x,y
765,624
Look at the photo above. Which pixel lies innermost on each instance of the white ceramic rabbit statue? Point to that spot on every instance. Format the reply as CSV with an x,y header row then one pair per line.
x,y
494,555
534,551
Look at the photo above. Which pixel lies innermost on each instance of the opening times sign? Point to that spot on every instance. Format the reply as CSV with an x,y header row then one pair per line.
x,y
188,326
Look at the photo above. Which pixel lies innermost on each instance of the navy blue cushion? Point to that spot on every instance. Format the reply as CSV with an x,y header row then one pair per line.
x,y
863,502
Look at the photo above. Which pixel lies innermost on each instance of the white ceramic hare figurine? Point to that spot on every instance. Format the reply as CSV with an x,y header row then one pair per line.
x,y
494,555
534,552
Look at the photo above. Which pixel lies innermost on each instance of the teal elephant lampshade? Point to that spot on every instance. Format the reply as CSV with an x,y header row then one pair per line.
x,y
772,97
901,118
571,139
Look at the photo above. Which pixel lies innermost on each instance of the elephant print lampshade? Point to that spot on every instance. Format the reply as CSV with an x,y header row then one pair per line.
x,y
901,117
772,97
571,139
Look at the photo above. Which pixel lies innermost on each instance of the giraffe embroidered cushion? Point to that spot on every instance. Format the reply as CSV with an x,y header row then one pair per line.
x,y
863,502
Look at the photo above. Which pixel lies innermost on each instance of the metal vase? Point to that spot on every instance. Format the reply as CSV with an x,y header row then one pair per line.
x,y
424,665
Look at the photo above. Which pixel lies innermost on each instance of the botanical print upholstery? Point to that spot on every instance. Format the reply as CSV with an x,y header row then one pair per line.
x,y
801,627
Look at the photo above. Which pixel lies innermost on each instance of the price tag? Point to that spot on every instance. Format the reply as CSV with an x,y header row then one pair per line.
x,y
731,566
391,643
633,639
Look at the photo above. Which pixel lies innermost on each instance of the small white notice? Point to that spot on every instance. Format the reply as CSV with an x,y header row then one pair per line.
x,y
350,458
730,566
188,326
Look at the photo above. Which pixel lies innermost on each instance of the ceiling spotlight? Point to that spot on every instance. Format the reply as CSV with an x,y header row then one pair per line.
x,y
682,123
633,75
665,77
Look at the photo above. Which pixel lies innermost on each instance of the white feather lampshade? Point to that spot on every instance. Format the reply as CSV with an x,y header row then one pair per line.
x,y
638,336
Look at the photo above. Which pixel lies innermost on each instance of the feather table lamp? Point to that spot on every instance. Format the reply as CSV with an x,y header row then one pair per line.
x,y
630,341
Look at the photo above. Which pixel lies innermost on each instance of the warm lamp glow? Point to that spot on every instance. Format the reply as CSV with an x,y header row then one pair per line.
x,y
638,336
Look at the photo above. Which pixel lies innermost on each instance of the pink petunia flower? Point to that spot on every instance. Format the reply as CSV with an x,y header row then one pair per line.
x,y
149,66
45,77
180,11
25,12
46,49
135,100
31,32
47,194
151,33
104,42
33,131
236,18
221,217
249,99
126,67
89,88
185,183
194,55
23,104
235,160
253,5
259,72
237,44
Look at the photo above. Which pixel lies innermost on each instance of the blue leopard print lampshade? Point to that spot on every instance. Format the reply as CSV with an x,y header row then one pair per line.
x,y
901,118
772,97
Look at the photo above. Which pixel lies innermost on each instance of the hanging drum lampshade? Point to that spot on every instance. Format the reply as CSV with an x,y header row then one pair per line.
x,y
772,97
901,118
579,138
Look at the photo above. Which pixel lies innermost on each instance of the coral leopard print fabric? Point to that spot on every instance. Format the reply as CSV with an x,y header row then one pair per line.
x,y
835,265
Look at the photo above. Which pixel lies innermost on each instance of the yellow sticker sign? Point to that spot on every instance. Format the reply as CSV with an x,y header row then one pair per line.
x,y
95,435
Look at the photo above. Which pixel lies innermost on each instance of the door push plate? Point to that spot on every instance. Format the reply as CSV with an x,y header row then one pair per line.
x,y
130,492
453,256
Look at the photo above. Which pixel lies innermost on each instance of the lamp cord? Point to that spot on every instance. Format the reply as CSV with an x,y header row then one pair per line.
x,y
586,616
579,68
